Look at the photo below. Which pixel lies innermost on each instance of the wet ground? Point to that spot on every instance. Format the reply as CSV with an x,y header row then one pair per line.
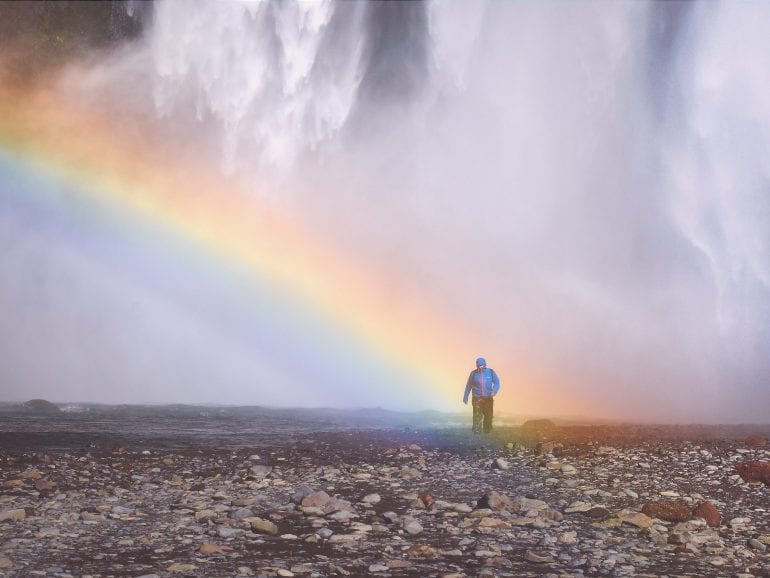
x,y
177,494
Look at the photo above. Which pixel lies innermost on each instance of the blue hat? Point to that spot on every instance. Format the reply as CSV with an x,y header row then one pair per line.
x,y
481,361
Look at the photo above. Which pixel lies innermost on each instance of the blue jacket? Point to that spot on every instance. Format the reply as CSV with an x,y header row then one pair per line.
x,y
484,383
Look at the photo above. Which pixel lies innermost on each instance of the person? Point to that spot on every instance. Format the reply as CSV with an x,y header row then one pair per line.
x,y
484,384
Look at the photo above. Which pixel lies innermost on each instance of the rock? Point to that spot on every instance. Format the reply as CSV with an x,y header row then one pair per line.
x,y
300,494
538,426
501,464
5,563
374,568
756,441
409,473
568,470
578,506
739,523
667,510
567,538
210,549
16,515
412,526
371,499
531,556
640,520
493,523
496,501
598,512
426,499
44,485
708,512
670,494
396,564
204,515
421,551
754,471
41,406
177,567
261,471
547,447
316,499
263,526
336,505
341,538
228,531
241,513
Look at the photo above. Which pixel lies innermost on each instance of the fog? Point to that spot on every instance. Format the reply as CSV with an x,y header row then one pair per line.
x,y
579,189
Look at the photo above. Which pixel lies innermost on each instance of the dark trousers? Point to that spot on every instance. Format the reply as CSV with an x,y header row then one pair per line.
x,y
482,413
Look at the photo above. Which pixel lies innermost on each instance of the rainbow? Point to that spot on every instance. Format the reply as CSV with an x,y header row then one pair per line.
x,y
66,162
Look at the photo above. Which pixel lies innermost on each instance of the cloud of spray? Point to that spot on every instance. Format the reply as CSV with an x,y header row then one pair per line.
x,y
577,186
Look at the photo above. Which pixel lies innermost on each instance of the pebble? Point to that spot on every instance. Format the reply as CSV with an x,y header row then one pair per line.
x,y
443,508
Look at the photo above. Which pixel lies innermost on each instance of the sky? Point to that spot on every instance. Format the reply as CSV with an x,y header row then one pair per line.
x,y
344,204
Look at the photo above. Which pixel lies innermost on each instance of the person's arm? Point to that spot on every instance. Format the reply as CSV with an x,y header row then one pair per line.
x,y
495,383
468,387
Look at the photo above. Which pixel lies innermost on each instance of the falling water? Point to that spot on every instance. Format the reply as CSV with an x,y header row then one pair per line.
x,y
580,187
584,185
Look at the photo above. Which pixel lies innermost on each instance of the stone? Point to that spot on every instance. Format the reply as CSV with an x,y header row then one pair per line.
x,y
178,567
228,531
260,471
16,515
538,426
337,505
241,513
493,523
426,499
638,519
371,499
578,506
300,494
412,527
342,538
5,563
41,406
316,499
204,515
501,464
547,447
754,471
409,473
708,512
567,538
531,556
374,568
210,549
598,512
668,510
756,441
421,551
263,526
494,500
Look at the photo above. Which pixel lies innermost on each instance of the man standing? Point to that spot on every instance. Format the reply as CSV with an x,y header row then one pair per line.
x,y
484,383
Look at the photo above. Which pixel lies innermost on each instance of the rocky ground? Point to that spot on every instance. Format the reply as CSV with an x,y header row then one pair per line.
x,y
526,501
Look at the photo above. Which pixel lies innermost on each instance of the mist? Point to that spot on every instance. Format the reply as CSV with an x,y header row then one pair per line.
x,y
578,188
